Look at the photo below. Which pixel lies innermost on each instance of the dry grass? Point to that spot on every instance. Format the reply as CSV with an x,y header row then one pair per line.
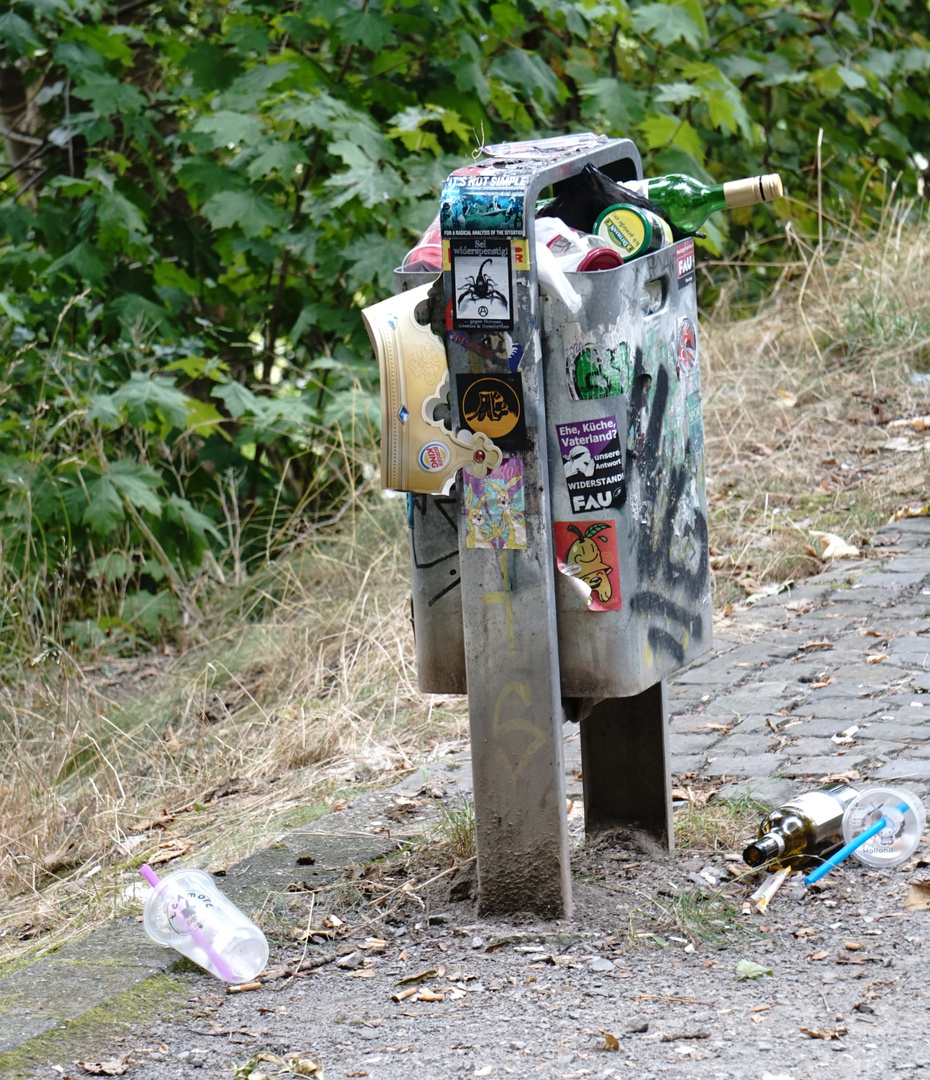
x,y
306,694
306,690
812,408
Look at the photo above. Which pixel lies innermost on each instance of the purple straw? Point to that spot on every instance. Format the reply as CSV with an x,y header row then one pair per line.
x,y
197,935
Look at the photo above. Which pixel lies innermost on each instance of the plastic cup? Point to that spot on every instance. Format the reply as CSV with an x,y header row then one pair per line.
x,y
188,912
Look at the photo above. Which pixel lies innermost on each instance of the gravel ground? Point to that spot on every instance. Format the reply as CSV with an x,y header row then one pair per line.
x,y
432,991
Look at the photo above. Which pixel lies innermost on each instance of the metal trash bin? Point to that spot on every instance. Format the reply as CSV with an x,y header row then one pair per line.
x,y
625,448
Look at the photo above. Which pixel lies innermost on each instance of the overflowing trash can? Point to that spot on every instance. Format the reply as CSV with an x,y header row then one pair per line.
x,y
541,406
624,436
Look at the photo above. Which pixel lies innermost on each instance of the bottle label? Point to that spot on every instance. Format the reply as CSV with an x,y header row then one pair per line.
x,y
818,806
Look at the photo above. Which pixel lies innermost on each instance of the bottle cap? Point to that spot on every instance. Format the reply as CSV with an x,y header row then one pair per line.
x,y
603,258
754,189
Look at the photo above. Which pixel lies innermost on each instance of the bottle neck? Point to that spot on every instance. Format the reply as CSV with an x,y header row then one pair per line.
x,y
762,850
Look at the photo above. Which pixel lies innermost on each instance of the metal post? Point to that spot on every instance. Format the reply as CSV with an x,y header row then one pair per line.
x,y
492,322
624,765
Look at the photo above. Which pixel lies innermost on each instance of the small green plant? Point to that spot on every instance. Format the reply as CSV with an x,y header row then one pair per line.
x,y
716,825
688,916
455,828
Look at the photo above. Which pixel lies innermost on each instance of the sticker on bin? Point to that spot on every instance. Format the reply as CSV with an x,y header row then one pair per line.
x,y
483,198
499,348
598,363
695,424
586,553
493,405
494,507
593,464
482,282
686,347
684,260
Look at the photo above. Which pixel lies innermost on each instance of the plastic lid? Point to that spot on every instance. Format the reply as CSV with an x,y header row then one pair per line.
x,y
898,840
603,258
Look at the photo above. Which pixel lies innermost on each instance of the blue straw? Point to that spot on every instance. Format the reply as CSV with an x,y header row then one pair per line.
x,y
827,865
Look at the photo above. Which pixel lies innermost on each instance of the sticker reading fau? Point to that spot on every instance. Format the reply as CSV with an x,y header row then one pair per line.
x,y
586,552
493,404
593,464
684,259
482,281
494,509
433,457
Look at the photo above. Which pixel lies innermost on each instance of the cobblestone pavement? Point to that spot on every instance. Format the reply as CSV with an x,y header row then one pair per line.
x,y
769,711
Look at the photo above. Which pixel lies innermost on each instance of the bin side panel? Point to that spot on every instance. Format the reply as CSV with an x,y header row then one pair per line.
x,y
630,359
436,594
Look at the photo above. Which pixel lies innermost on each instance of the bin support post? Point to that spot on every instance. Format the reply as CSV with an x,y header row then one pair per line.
x,y
625,765
515,712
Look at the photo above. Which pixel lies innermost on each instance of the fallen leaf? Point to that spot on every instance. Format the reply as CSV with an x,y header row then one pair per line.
x,y
824,644
918,423
910,512
173,849
824,1033
821,954
306,1067
111,1067
339,805
835,546
918,897
611,1042
749,969
421,976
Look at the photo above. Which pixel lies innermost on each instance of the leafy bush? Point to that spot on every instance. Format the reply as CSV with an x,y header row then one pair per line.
x,y
199,199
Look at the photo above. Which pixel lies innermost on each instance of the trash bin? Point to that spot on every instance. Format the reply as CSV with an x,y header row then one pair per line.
x,y
624,441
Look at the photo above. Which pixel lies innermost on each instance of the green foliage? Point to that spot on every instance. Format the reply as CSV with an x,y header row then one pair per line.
x,y
198,200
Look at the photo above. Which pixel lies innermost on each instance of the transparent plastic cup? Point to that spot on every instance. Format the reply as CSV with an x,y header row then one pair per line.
x,y
188,912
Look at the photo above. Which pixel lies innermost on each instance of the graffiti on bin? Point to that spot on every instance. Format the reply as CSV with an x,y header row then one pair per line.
x,y
667,523
448,510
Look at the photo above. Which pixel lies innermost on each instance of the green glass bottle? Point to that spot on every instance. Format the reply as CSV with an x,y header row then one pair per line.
x,y
802,830
688,202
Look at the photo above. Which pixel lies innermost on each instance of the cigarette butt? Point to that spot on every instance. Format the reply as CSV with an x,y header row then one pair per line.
x,y
429,995
242,987
402,994
763,895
